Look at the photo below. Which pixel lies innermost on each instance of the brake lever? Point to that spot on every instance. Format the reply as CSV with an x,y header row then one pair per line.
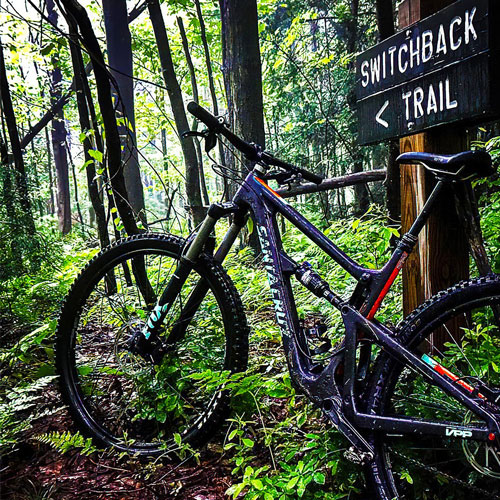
x,y
209,136
193,133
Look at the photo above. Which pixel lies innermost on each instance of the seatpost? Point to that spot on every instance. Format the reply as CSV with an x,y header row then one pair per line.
x,y
423,216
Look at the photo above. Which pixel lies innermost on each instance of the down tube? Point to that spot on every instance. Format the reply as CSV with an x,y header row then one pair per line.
x,y
281,290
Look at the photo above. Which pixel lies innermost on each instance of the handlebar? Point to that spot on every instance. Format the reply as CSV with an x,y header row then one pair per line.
x,y
251,151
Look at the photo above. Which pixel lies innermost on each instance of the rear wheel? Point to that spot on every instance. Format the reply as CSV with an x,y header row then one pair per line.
x,y
459,330
124,399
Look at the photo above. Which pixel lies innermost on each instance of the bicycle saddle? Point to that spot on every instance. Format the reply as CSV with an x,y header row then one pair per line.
x,y
462,166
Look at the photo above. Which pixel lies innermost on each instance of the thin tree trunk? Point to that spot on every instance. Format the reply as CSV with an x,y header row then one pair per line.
x,y
39,201
193,191
59,134
385,23
362,200
75,187
85,125
210,74
20,172
52,205
6,177
119,45
194,87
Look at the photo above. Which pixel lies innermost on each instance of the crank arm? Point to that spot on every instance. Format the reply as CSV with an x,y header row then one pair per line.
x,y
332,408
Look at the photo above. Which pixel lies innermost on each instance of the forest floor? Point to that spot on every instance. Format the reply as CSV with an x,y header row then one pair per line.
x,y
37,471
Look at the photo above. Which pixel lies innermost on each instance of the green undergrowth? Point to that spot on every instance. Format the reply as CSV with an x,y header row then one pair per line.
x,y
278,445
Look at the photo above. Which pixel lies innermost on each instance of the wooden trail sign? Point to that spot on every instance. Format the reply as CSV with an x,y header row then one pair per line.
x,y
440,70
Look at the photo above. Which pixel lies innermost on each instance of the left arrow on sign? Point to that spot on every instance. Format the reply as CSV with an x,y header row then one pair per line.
x,y
379,119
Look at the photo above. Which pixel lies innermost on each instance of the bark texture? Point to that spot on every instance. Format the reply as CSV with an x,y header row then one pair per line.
x,y
243,75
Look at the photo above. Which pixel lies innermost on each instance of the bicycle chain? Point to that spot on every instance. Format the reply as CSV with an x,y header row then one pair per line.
x,y
452,479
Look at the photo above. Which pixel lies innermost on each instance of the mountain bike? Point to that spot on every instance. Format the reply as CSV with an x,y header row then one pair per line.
x,y
153,324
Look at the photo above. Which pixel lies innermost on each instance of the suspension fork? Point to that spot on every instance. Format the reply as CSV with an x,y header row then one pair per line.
x,y
184,268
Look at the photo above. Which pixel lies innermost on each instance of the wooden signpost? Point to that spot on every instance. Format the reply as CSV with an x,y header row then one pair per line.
x,y
435,72
436,76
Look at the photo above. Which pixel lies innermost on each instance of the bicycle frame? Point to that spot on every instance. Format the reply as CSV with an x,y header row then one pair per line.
x,y
334,394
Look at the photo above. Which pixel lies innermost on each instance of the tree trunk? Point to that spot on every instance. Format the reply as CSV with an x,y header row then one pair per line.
x,y
385,18
361,195
103,84
243,73
6,178
20,172
118,43
59,134
193,191
75,188
194,87
83,113
385,23
51,202
210,74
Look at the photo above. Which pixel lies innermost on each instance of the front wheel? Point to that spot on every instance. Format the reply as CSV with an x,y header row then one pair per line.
x,y
459,330
124,399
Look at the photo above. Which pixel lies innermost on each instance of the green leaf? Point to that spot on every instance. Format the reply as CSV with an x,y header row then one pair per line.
x,y
97,155
250,225
235,490
257,483
319,478
292,482
248,442
84,370
47,49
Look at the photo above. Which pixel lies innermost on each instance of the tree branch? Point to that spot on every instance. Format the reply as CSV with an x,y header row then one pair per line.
x,y
334,183
60,103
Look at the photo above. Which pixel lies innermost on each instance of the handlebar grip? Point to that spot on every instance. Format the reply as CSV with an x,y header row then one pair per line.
x,y
205,116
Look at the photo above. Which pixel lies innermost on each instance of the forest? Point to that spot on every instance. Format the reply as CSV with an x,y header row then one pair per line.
x,y
93,111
